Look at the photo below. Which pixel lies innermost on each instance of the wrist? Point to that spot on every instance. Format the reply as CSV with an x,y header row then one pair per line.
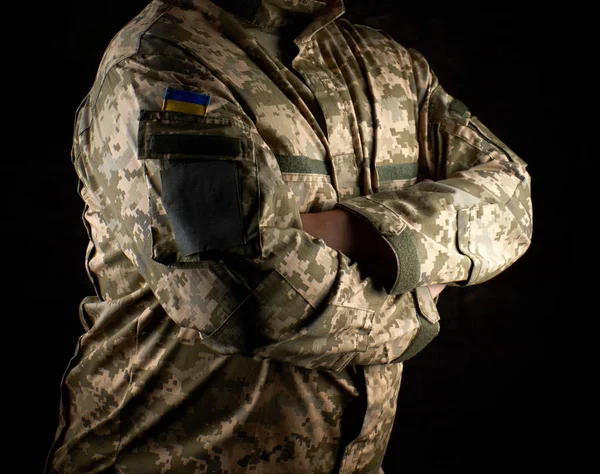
x,y
333,227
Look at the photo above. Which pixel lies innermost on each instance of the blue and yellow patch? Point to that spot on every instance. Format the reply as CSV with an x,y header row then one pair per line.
x,y
186,102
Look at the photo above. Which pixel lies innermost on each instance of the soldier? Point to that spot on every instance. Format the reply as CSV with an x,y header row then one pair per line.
x,y
274,198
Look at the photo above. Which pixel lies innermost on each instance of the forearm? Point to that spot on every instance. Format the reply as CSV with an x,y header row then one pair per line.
x,y
355,238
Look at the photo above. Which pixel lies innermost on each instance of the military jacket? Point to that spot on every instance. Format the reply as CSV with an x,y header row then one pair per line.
x,y
222,337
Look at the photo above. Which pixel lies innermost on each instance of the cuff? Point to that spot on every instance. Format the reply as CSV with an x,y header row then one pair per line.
x,y
429,323
396,233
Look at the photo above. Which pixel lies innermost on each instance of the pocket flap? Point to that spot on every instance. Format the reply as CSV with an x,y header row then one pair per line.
x,y
165,135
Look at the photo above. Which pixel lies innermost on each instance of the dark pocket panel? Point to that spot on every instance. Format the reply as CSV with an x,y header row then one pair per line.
x,y
202,200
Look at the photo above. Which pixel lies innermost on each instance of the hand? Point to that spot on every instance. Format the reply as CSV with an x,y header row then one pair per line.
x,y
435,290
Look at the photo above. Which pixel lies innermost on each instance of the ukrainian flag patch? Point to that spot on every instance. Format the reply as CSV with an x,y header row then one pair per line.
x,y
186,102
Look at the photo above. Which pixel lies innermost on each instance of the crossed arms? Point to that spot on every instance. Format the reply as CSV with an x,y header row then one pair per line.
x,y
326,289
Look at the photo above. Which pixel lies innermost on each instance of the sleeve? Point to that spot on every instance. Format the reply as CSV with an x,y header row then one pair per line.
x,y
198,204
474,220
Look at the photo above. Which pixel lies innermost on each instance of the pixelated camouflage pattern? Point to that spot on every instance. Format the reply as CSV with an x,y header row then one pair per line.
x,y
275,355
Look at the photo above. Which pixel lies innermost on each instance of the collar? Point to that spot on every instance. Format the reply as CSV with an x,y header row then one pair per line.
x,y
304,16
271,15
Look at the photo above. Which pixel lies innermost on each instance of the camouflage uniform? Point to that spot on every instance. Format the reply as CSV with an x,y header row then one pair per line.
x,y
223,338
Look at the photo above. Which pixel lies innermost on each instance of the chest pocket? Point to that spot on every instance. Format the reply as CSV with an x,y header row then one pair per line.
x,y
396,177
202,186
310,181
388,75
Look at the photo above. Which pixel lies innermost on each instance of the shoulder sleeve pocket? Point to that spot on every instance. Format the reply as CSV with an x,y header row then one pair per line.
x,y
203,187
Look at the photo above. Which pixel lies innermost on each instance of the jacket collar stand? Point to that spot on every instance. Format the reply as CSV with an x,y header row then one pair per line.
x,y
272,15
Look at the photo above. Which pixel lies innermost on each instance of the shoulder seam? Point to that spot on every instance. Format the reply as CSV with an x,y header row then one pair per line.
x,y
123,58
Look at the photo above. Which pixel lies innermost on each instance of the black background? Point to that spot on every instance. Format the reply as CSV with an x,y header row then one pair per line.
x,y
493,392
